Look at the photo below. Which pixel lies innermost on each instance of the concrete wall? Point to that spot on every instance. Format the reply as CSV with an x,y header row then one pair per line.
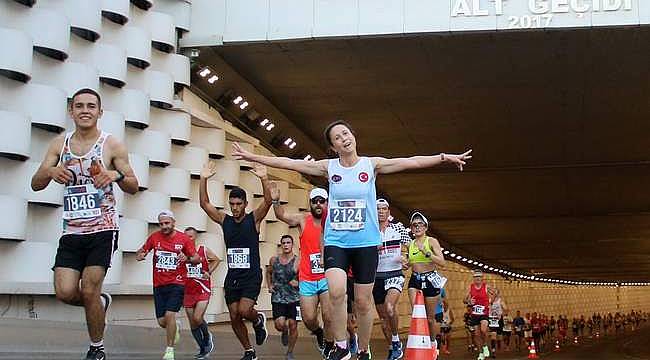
x,y
128,54
230,20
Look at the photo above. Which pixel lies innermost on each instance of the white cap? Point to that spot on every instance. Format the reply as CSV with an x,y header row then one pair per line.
x,y
420,215
477,273
166,213
382,201
316,192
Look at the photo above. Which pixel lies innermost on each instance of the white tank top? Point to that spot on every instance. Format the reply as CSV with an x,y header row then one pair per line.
x,y
87,210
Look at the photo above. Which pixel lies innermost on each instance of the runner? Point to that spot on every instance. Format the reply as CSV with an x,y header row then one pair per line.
x,y
90,221
424,256
197,293
282,281
506,324
551,328
528,329
352,229
389,280
538,331
469,329
241,233
478,297
495,322
171,249
313,285
562,328
446,326
518,322
439,316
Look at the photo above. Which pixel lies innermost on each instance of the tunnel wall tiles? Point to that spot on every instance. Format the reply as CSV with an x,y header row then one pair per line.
x,y
129,56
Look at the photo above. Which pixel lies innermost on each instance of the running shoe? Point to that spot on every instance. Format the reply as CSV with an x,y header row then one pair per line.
x,y
364,355
290,356
95,353
397,351
206,350
260,329
169,354
285,337
249,355
486,352
339,354
327,349
354,344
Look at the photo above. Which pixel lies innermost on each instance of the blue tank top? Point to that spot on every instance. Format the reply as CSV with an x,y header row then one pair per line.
x,y
352,220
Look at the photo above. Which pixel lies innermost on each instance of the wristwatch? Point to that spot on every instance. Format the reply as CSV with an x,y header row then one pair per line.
x,y
119,178
275,202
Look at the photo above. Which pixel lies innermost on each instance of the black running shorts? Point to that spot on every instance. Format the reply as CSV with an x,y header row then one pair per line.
x,y
78,251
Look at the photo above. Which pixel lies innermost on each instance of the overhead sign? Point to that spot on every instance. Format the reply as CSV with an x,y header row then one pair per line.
x,y
539,13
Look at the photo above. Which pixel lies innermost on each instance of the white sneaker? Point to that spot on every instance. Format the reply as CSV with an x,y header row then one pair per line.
x,y
169,354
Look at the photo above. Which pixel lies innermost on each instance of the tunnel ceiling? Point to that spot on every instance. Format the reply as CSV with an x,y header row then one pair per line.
x,y
559,123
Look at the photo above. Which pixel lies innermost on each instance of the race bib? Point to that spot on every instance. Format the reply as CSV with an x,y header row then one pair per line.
x,y
194,271
81,202
493,322
314,261
518,328
437,280
239,258
166,260
348,215
478,310
396,282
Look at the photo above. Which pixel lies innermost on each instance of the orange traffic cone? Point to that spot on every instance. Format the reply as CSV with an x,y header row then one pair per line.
x,y
418,346
532,354
557,346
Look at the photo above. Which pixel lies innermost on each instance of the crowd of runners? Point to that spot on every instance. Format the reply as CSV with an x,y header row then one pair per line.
x,y
350,265
515,332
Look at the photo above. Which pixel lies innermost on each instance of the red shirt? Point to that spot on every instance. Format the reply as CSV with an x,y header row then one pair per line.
x,y
195,284
481,301
537,325
166,268
310,268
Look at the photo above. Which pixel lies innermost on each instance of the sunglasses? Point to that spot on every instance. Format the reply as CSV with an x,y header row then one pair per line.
x,y
318,200
418,225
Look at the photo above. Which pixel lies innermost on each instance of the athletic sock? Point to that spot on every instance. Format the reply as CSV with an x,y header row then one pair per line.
x,y
395,338
206,334
257,321
198,336
342,344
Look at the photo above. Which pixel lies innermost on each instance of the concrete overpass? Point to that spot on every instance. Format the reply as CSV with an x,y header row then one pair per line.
x,y
555,115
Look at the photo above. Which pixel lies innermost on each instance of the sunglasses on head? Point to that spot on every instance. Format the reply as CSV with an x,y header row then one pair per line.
x,y
318,200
